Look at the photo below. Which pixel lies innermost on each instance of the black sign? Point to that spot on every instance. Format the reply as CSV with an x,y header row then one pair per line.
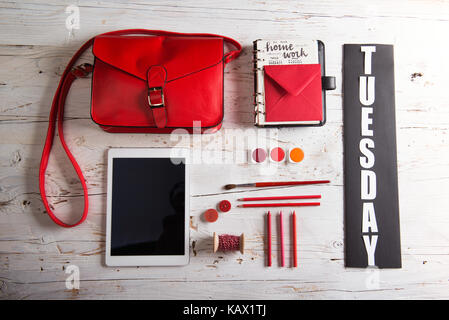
x,y
372,235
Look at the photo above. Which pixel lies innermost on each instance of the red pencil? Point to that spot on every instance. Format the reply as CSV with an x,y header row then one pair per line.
x,y
287,204
295,256
316,196
269,239
281,235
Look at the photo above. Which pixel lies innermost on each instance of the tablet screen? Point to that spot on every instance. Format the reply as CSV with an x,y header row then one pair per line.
x,y
148,203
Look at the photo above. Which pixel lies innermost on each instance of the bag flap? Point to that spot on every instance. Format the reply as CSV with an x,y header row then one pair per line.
x,y
293,78
179,55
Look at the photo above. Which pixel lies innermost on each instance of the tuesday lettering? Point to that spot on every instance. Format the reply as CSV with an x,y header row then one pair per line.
x,y
368,183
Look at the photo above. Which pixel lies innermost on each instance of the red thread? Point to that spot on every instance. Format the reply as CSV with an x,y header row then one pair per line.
x,y
227,242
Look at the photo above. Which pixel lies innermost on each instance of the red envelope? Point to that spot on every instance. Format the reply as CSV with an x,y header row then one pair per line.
x,y
293,93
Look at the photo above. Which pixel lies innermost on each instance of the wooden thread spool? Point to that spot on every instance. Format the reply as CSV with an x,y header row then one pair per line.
x,y
227,242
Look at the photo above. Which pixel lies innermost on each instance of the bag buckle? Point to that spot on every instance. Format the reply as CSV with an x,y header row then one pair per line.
x,y
156,89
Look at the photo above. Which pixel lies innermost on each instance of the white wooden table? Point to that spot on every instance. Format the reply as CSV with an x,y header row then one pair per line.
x,y
35,46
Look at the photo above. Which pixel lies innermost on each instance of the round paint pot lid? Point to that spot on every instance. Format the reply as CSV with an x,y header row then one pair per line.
x,y
258,155
224,205
277,154
296,155
211,215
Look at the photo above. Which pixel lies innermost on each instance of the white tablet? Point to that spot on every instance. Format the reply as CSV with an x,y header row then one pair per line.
x,y
147,207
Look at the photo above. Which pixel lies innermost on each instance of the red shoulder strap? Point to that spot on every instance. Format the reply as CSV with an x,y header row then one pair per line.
x,y
57,110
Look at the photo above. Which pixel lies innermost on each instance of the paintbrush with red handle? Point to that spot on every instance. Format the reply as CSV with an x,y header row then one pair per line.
x,y
274,184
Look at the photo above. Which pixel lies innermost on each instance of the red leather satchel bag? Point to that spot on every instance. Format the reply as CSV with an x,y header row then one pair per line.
x,y
145,81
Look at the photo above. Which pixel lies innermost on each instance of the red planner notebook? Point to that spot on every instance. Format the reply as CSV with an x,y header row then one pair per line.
x,y
290,83
293,93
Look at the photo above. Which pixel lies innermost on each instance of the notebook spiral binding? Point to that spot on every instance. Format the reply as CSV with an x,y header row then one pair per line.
x,y
258,97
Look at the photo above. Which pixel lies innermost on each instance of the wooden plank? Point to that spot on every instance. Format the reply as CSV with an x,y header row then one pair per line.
x,y
240,289
37,19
